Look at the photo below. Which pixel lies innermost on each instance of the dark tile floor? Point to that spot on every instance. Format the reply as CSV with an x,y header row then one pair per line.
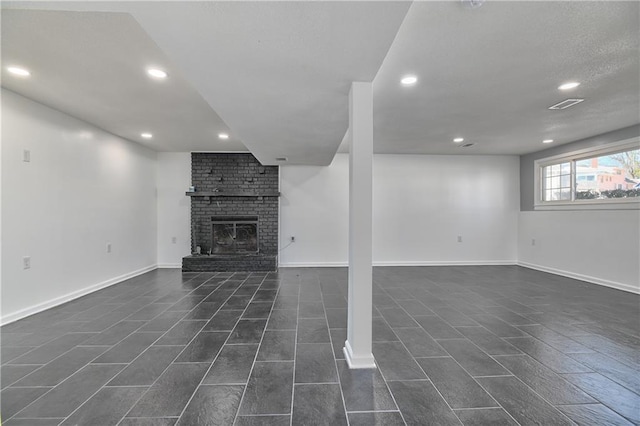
x,y
454,345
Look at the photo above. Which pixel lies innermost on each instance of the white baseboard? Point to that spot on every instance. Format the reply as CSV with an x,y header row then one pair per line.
x,y
15,316
587,278
169,265
401,263
446,263
313,265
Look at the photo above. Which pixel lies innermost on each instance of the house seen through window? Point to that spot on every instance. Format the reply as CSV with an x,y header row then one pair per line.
x,y
613,176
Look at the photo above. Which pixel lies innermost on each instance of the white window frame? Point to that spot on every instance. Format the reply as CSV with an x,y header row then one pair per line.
x,y
572,157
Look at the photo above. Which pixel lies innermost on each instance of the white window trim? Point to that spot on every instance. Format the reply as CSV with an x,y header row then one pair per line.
x,y
608,204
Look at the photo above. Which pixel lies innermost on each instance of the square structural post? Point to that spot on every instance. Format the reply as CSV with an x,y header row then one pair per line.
x,y
358,346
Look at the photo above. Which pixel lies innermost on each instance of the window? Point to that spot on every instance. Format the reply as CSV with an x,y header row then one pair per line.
x,y
557,182
608,177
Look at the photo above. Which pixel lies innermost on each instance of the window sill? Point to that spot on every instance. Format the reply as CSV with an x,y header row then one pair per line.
x,y
590,205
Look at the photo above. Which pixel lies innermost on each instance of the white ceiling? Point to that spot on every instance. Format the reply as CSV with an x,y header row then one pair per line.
x,y
489,74
93,66
278,73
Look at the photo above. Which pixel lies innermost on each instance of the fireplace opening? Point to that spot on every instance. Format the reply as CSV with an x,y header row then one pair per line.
x,y
234,234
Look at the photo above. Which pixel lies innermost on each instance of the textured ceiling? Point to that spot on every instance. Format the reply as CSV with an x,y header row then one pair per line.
x,y
93,66
489,74
277,74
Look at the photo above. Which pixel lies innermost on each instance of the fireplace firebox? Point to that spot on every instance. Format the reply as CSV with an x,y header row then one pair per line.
x,y
234,234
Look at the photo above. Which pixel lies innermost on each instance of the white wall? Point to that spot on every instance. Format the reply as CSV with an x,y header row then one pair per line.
x,y
422,203
601,246
314,207
174,208
83,188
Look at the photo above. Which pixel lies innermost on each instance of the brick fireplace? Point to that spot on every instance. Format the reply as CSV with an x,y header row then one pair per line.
x,y
234,214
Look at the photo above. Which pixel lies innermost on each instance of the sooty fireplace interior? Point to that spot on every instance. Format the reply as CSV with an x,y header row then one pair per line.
x,y
234,234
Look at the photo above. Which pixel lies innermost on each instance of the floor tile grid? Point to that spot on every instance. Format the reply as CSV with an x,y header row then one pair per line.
x,y
235,421
15,416
41,366
581,324
171,363
56,336
52,387
77,371
20,326
528,387
553,405
335,361
472,377
406,349
225,342
611,377
542,342
385,382
598,399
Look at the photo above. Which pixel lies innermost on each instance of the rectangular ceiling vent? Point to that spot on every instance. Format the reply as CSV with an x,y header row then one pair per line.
x,y
281,158
566,104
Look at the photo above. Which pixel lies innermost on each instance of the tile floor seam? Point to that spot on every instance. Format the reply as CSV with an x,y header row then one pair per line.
x,y
295,349
333,355
592,395
81,404
168,365
220,351
528,387
387,382
253,364
71,375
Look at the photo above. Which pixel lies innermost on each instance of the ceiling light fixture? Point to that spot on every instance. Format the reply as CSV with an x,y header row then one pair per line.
x,y
458,140
19,71
157,73
223,136
568,86
146,135
547,141
409,80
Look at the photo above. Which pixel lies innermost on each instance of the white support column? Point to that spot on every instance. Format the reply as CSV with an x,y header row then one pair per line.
x,y
357,348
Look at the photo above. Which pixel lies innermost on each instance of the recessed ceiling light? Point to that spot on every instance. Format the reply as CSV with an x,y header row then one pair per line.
x,y
547,141
157,73
19,71
568,86
409,80
223,136
146,135
458,140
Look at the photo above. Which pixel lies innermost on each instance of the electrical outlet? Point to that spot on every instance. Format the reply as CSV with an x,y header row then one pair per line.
x,y
533,241
293,239
459,238
174,240
108,247
26,156
26,262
